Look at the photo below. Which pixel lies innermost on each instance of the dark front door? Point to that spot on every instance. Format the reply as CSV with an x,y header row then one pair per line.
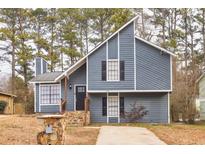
x,y
80,96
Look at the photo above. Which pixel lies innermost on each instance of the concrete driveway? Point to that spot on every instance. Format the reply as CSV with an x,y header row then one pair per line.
x,y
123,135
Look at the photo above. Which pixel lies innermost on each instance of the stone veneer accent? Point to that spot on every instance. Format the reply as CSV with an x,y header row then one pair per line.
x,y
77,118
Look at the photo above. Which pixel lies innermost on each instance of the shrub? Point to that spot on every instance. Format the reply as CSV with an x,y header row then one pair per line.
x,y
136,113
2,106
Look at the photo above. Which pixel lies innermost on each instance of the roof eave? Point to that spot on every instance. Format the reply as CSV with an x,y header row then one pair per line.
x,y
156,46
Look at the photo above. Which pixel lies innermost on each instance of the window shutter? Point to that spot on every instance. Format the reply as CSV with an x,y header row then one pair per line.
x,y
122,106
104,106
104,70
122,71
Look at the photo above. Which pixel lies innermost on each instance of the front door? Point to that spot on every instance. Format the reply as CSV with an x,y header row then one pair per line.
x,y
80,96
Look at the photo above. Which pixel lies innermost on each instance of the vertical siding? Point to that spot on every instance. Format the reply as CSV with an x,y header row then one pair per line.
x,y
44,66
96,108
152,68
38,65
155,103
77,77
113,48
126,54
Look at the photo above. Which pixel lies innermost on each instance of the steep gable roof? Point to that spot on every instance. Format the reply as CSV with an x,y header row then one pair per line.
x,y
83,60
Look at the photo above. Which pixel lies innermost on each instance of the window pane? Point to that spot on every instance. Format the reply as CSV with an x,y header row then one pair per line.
x,y
113,69
113,106
50,94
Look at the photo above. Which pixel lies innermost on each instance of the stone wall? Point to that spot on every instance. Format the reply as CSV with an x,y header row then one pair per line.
x,y
77,118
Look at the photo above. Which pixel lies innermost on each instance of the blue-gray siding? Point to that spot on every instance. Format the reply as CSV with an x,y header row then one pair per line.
x,y
44,66
78,77
126,55
38,65
50,108
40,68
155,103
113,48
44,108
96,108
152,68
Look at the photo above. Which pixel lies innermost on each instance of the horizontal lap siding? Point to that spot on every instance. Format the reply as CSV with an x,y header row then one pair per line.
x,y
77,77
152,68
96,108
50,108
155,103
126,54
113,48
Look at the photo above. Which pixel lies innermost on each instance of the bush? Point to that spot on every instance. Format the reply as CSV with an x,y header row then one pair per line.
x,y
136,113
2,106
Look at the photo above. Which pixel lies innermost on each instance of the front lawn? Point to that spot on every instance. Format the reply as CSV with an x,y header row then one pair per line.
x,y
23,130
180,134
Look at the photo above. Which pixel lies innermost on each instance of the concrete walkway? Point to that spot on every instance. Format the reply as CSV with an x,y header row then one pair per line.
x,y
123,135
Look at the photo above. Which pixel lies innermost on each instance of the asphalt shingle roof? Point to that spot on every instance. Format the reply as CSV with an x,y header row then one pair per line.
x,y
49,76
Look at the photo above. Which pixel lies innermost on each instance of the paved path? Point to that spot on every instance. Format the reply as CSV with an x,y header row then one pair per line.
x,y
123,135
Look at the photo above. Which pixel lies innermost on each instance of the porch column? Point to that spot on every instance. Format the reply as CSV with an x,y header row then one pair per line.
x,y
65,89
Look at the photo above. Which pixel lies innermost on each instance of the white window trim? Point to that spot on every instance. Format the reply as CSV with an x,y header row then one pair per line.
x,y
118,116
40,104
111,60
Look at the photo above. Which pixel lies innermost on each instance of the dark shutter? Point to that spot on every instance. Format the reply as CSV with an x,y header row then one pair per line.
x,y
104,106
104,70
122,106
122,71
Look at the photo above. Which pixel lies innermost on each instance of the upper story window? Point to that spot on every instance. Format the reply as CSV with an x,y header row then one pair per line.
x,y
50,94
113,70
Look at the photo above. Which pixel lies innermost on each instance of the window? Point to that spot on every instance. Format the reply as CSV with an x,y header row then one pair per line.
x,y
50,94
113,106
113,70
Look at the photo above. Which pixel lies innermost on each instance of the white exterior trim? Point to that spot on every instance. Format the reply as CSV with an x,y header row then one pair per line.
x,y
35,67
110,60
41,66
118,54
60,109
98,46
43,82
171,73
114,91
74,94
86,75
118,94
34,97
39,98
106,61
154,45
42,85
118,116
107,108
134,61
168,108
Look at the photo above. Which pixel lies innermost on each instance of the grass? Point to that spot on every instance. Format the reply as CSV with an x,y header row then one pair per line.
x,y
174,134
23,130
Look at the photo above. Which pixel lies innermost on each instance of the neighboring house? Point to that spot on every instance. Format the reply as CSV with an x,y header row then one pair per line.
x,y
9,99
200,101
122,70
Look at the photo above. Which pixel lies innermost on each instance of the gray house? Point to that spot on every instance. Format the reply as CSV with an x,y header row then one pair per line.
x,y
122,70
